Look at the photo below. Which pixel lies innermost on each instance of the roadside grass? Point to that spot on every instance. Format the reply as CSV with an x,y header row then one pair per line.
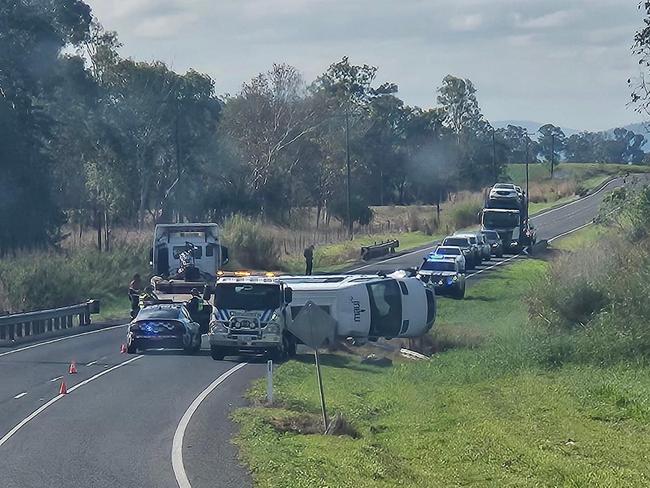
x,y
483,412
332,257
584,173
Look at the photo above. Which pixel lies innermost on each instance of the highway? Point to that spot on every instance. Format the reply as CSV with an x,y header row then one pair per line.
x,y
159,419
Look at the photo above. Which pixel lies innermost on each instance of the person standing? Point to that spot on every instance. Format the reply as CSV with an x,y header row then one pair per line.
x,y
135,288
309,259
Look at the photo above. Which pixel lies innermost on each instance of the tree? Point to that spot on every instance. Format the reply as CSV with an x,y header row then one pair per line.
x,y
552,143
32,35
266,121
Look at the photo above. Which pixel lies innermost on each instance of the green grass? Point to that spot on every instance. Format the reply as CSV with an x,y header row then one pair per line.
x,y
338,256
585,173
581,239
481,413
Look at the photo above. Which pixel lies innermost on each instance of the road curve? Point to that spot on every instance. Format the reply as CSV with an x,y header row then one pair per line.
x,y
118,429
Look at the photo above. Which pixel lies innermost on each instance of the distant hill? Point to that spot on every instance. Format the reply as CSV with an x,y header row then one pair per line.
x,y
531,126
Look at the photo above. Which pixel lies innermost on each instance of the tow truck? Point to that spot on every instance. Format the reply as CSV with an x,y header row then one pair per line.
x,y
507,214
250,315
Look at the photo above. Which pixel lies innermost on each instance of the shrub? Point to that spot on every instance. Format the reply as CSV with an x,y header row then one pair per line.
x,y
40,280
464,212
251,246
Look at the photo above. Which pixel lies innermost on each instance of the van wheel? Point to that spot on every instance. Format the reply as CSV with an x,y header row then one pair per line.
x,y
217,353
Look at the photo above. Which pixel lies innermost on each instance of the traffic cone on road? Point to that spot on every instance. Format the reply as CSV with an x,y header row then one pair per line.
x,y
73,368
123,349
63,390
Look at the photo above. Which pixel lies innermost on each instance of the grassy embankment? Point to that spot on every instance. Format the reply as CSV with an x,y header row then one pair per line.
x,y
505,402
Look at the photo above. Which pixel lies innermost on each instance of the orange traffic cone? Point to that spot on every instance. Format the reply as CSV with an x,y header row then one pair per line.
x,y
73,368
63,390
123,349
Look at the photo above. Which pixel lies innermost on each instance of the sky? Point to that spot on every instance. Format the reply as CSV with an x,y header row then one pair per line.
x,y
560,61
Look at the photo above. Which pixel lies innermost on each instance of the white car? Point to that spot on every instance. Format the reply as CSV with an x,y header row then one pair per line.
x,y
456,252
503,190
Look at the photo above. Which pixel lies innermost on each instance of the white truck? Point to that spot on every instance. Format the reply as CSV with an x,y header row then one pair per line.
x,y
250,314
253,314
186,256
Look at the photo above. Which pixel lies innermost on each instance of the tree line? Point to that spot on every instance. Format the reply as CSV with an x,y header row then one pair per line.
x,y
94,139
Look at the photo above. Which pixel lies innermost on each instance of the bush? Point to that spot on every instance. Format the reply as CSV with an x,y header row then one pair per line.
x,y
592,306
251,246
41,280
465,212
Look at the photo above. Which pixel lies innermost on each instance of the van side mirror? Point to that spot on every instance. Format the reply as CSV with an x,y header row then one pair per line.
x,y
288,295
224,255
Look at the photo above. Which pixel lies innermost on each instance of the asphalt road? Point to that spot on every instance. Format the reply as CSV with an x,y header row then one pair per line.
x,y
135,420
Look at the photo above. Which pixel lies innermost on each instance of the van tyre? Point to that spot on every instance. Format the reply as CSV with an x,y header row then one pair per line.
x,y
217,353
460,293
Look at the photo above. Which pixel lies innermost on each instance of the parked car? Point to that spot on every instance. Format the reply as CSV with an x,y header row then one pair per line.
x,y
444,275
495,242
451,251
478,255
486,251
466,247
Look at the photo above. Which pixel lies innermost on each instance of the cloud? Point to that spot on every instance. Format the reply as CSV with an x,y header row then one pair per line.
x,y
165,26
466,23
554,60
559,18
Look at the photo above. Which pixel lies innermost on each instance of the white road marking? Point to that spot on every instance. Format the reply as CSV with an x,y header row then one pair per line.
x,y
177,444
45,343
91,363
570,231
494,265
20,395
56,379
51,402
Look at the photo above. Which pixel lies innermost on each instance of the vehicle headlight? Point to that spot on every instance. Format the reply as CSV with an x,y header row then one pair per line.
x,y
455,278
275,317
217,327
272,328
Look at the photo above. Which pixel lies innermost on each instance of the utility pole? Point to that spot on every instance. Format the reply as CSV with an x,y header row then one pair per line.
x,y
552,154
494,157
349,173
527,160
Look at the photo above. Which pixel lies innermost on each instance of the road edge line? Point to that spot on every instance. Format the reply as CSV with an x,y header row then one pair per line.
x,y
52,401
179,434
59,339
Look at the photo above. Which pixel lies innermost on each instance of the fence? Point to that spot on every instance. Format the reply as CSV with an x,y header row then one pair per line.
x,y
35,323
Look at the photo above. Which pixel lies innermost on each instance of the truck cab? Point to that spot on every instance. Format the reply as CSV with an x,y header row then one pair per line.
x,y
251,315
507,223
172,242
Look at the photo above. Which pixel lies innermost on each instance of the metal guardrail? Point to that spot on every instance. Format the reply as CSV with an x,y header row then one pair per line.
x,y
377,250
29,324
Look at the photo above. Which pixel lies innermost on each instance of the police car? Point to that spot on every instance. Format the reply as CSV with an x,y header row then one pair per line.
x,y
444,275
448,252
163,325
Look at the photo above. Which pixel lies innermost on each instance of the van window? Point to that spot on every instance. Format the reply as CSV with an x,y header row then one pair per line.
x,y
405,290
385,308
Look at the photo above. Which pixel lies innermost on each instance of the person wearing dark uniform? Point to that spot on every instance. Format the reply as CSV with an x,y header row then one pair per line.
x,y
196,303
309,259
134,292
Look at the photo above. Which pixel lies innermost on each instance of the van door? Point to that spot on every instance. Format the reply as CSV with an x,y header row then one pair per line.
x,y
385,308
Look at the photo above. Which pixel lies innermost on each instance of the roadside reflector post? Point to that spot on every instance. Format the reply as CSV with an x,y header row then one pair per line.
x,y
320,389
269,381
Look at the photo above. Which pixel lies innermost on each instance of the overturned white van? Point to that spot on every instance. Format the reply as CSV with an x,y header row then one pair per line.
x,y
368,306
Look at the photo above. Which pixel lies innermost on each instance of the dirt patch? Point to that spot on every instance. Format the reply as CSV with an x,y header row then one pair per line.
x,y
306,424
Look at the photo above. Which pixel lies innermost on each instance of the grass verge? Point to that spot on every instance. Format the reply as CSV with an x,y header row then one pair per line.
x,y
482,413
